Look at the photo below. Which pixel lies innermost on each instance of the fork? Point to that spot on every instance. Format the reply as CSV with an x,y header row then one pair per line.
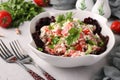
x,y
8,56
27,59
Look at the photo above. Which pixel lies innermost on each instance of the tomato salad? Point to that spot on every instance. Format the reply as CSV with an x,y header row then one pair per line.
x,y
69,37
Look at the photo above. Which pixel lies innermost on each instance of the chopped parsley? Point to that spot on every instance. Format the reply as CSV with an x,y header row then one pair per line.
x,y
55,40
40,49
62,18
101,43
20,10
51,46
91,42
74,35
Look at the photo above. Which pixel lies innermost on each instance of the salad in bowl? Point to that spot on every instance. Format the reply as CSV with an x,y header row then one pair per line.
x,y
70,36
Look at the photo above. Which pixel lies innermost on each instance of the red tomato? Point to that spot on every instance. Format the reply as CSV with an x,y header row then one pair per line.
x,y
115,27
78,47
58,32
86,31
66,29
42,3
5,18
71,52
49,39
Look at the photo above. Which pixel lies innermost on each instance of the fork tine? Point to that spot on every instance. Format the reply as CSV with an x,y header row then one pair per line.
x,y
13,59
4,46
16,50
4,50
2,54
19,46
20,49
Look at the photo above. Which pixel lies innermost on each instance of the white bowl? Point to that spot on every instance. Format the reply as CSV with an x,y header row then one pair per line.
x,y
66,62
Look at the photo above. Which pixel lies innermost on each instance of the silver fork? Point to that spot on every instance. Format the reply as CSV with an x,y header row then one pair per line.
x,y
27,59
7,55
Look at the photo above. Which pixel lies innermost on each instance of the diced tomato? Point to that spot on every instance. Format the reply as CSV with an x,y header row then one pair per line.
x,y
86,31
70,24
71,52
78,47
49,50
49,39
82,42
58,32
67,28
75,55
60,49
81,36
46,29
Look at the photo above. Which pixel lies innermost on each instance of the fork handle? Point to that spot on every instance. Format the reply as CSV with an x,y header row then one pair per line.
x,y
47,75
35,75
31,72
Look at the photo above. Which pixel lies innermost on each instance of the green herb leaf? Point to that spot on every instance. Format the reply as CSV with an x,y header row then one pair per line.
x,y
60,18
101,43
69,16
40,49
51,26
74,35
80,22
91,42
55,40
89,49
20,11
51,46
